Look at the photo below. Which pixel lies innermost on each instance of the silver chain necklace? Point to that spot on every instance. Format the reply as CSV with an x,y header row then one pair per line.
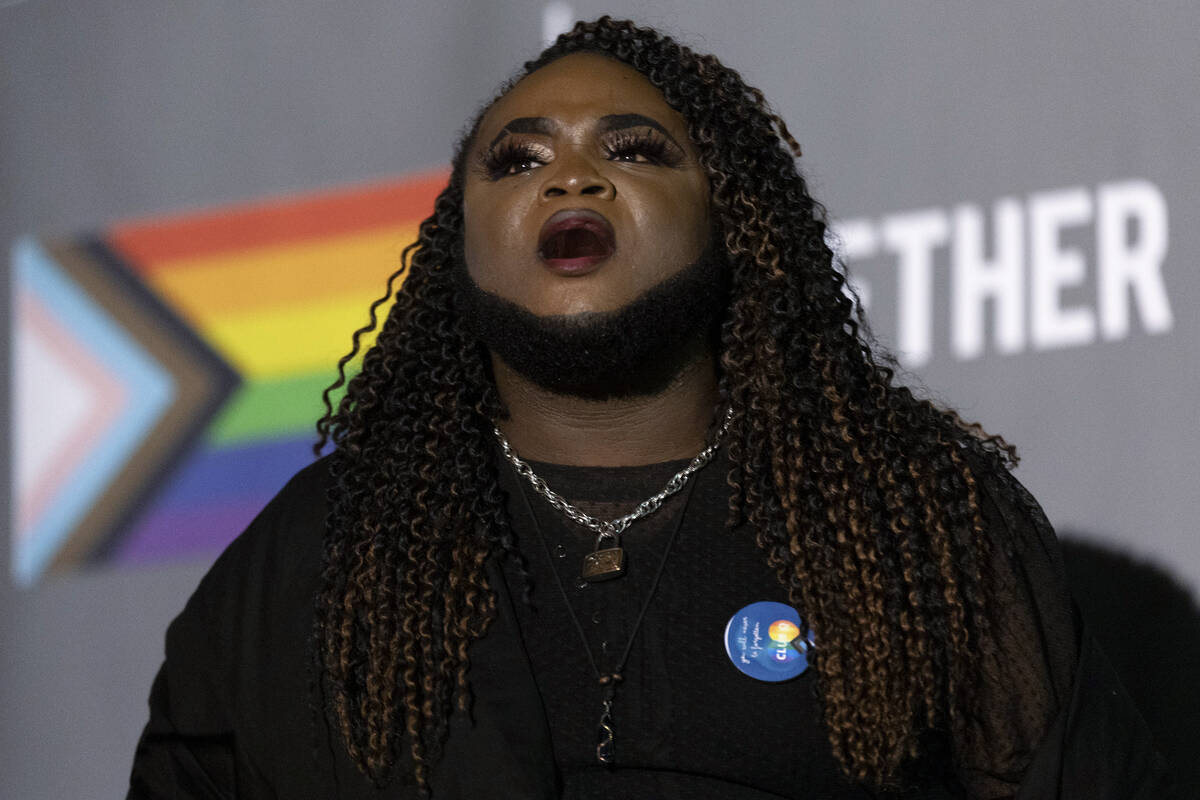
x,y
605,563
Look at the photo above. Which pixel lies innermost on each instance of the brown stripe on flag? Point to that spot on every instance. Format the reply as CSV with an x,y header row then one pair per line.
x,y
202,383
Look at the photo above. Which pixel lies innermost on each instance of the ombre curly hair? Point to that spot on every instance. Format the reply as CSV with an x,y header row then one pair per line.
x,y
862,496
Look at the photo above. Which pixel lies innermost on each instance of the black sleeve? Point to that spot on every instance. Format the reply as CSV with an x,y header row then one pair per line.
x,y
217,728
1051,718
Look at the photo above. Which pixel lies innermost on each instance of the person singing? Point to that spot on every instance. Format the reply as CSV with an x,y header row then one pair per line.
x,y
623,503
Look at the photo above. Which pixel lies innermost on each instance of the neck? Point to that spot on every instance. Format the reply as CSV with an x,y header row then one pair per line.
x,y
560,429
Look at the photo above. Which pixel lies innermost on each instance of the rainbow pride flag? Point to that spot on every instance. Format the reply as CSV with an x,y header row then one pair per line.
x,y
168,371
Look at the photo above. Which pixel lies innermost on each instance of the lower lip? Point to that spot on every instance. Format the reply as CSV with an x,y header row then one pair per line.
x,y
574,266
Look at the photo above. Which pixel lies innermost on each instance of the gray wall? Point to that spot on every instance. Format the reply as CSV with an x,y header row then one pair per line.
x,y
114,109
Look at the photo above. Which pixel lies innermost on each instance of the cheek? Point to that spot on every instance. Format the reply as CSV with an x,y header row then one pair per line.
x,y
700,214
492,239
473,244
674,232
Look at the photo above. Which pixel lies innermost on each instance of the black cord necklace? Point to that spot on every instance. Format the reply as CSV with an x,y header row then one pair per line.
x,y
606,731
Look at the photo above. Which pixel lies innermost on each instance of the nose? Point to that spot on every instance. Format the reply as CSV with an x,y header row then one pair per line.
x,y
576,175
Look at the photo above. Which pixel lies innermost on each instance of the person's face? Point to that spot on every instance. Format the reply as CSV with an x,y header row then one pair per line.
x,y
582,190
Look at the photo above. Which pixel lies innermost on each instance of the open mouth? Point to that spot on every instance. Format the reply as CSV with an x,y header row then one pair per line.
x,y
574,241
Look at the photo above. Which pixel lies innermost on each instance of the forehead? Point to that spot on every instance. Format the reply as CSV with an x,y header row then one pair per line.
x,y
582,85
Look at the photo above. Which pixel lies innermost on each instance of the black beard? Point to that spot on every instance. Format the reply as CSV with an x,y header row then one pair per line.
x,y
636,350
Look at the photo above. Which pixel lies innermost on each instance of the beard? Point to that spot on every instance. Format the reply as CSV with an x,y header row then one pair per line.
x,y
635,350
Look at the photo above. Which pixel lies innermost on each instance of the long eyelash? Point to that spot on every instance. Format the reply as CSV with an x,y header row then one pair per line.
x,y
498,161
651,146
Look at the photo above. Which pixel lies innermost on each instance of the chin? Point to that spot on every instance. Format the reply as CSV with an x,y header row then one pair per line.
x,y
587,349
568,297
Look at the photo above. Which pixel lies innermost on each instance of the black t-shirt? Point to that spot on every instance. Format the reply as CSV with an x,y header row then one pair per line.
x,y
686,721
234,710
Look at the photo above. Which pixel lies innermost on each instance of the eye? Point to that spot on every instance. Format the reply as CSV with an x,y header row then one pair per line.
x,y
641,147
513,157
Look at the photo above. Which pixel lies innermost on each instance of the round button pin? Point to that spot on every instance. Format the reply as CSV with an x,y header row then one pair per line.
x,y
763,641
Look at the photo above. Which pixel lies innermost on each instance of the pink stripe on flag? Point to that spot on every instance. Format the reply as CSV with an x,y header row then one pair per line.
x,y
109,400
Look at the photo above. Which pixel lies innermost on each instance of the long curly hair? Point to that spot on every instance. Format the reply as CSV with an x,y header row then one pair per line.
x,y
861,495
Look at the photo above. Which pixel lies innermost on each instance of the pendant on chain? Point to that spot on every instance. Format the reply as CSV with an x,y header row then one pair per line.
x,y
604,563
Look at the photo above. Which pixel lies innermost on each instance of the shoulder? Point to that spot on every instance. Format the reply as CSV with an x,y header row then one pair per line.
x,y
234,693
1032,620
286,535
1026,560
268,575
1049,699
1013,518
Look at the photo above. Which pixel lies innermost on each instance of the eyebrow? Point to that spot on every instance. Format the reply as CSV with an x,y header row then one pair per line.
x,y
617,122
608,123
542,125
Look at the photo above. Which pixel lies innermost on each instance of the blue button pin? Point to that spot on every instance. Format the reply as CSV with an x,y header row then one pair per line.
x,y
763,641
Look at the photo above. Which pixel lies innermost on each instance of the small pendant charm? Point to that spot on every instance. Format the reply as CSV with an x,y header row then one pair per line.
x,y
603,565
605,745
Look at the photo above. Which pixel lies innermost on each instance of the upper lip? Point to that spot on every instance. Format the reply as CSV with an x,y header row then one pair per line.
x,y
572,218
